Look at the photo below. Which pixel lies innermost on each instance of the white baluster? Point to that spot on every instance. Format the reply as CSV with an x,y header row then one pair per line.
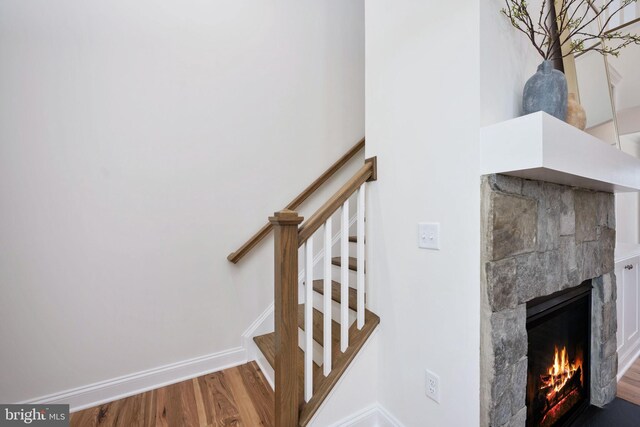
x,y
344,278
327,298
360,251
308,321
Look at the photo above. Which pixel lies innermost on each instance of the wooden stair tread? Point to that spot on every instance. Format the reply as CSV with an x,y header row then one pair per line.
x,y
341,361
318,286
318,325
353,239
353,262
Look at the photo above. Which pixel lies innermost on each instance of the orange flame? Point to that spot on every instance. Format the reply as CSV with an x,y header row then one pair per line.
x,y
560,372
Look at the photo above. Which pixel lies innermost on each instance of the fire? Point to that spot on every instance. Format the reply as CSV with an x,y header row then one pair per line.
x,y
560,373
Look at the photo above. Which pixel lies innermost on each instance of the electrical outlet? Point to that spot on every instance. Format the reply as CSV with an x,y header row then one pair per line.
x,y
432,386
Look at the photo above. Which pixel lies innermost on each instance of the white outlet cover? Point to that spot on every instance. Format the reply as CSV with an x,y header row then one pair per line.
x,y
432,386
429,235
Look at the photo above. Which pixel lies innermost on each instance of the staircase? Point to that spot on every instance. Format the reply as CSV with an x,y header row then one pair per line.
x,y
318,334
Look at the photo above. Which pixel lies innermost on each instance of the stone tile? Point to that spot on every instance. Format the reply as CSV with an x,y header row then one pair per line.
x,y
552,267
549,217
586,211
509,336
550,206
602,200
569,274
501,412
609,369
601,395
607,240
567,213
532,189
501,382
609,320
611,212
505,183
501,284
519,419
589,260
609,347
608,287
530,276
519,386
514,225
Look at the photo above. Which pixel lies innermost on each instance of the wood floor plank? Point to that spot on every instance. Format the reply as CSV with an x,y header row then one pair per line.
x,y
202,413
248,415
242,398
219,399
161,408
260,392
179,405
629,385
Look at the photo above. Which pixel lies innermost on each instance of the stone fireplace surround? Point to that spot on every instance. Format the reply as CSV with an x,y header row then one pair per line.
x,y
539,238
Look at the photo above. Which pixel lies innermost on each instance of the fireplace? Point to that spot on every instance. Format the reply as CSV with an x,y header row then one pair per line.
x,y
548,319
558,369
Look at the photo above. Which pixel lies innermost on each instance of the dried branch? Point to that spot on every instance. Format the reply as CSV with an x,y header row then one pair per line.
x,y
573,21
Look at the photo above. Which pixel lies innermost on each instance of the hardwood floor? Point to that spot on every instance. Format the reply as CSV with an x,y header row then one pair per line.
x,y
239,397
629,385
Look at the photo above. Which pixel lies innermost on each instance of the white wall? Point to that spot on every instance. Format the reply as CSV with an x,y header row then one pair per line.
x,y
627,205
141,142
507,61
423,117
627,65
356,390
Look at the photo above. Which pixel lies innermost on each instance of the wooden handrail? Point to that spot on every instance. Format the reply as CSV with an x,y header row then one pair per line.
x,y
234,257
366,173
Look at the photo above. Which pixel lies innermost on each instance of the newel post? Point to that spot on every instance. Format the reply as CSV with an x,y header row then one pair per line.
x,y
285,225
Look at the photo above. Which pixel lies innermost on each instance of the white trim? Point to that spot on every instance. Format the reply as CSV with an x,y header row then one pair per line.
x,y
372,416
388,417
258,327
256,323
128,385
251,331
267,370
625,368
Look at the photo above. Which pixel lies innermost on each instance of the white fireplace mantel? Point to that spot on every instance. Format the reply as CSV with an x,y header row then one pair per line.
x,y
539,146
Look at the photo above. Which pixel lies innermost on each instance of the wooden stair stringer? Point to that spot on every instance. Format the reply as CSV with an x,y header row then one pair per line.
x,y
341,361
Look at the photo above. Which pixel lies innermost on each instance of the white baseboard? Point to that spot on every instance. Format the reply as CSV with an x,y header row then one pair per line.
x,y
107,391
373,416
622,370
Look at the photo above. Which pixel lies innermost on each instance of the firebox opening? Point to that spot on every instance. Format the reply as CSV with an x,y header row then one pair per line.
x,y
559,338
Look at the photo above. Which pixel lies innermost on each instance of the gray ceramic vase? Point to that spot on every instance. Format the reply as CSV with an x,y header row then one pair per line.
x,y
546,91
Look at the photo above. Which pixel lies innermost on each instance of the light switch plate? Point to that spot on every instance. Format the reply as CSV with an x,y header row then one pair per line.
x,y
429,235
